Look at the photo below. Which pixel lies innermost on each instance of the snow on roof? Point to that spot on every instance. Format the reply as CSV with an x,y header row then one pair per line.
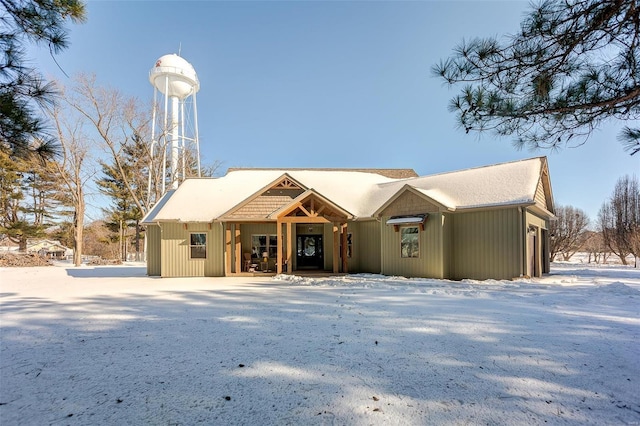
x,y
360,193
496,185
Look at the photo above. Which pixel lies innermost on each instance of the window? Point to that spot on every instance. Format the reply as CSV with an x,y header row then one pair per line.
x,y
264,243
198,246
409,241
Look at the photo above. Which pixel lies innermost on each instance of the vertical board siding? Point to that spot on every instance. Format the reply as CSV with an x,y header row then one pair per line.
x,y
485,245
365,247
430,262
154,258
214,267
175,251
543,241
447,255
327,240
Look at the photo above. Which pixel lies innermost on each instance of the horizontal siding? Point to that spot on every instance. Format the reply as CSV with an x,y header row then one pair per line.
x,y
485,244
541,198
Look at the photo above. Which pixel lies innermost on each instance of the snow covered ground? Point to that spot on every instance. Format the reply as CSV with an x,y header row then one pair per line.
x,y
108,345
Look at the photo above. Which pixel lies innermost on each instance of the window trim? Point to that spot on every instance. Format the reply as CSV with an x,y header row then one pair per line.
x,y
269,247
417,234
192,246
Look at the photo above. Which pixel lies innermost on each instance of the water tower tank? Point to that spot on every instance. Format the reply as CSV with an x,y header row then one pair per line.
x,y
174,77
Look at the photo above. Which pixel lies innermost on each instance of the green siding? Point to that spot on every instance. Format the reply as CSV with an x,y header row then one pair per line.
x,y
447,255
430,264
365,239
485,244
175,251
327,238
154,258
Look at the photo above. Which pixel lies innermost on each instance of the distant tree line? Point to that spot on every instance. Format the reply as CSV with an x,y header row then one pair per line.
x,y
103,149
616,230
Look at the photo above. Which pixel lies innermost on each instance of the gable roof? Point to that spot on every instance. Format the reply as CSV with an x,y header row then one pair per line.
x,y
390,173
361,193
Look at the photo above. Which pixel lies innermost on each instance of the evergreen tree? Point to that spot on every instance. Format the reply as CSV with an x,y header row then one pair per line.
x,y
573,65
28,197
123,213
22,88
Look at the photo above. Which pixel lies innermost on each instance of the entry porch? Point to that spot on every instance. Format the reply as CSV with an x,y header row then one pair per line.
x,y
309,234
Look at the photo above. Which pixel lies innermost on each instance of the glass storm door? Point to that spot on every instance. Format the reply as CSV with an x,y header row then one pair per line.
x,y
309,252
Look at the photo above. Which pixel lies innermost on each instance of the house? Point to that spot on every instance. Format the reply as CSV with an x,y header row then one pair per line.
x,y
50,249
483,223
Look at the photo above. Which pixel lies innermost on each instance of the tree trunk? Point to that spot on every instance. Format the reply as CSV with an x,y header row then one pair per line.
x,y
78,227
22,244
137,240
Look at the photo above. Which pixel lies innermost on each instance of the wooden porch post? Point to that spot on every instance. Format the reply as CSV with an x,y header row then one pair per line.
x,y
227,249
336,247
279,245
289,249
345,266
238,248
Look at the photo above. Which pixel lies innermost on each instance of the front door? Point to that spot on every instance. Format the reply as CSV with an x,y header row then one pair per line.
x,y
309,252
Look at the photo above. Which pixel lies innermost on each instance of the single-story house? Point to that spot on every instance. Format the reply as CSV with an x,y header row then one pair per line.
x,y
483,223
50,249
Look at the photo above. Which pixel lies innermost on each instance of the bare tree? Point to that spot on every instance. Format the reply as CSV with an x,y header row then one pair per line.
x,y
619,219
118,122
596,248
567,232
72,170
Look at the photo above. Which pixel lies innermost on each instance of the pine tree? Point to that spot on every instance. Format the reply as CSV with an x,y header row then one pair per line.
x,y
28,197
573,65
123,213
22,89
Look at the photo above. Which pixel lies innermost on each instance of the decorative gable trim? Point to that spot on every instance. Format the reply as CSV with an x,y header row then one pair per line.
x,y
284,182
313,207
408,189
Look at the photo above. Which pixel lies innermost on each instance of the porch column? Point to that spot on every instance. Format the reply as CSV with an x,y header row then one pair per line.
x,y
289,249
279,245
227,248
343,252
336,248
238,252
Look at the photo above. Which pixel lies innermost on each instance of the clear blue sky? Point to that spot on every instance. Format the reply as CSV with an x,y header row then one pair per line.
x,y
325,84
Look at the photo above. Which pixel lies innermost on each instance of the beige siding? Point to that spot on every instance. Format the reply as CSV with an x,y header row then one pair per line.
x,y
430,262
327,238
541,226
447,254
154,258
175,251
541,198
365,254
485,244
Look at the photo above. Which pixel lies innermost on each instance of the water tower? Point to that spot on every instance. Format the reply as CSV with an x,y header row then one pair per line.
x,y
175,116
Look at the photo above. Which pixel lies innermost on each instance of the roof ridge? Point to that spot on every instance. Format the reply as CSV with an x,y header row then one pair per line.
x,y
471,168
394,173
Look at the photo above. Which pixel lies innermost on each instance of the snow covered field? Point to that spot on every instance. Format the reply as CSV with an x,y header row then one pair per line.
x,y
110,346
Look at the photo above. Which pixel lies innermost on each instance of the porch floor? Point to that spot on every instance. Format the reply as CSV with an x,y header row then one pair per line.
x,y
300,273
